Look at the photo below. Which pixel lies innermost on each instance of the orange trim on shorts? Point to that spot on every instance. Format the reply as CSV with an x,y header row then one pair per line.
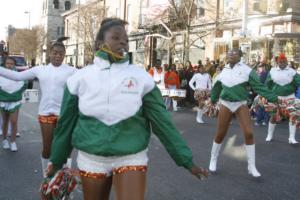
x,y
50,119
92,175
120,170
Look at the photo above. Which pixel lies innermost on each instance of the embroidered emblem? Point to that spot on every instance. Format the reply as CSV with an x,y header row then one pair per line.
x,y
129,86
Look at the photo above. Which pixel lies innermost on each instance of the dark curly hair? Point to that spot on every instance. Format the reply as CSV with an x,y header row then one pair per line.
x,y
106,24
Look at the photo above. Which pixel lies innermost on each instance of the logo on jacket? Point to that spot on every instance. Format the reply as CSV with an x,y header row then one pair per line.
x,y
129,86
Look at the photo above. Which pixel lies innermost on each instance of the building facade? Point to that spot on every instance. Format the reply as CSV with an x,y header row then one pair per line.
x,y
53,23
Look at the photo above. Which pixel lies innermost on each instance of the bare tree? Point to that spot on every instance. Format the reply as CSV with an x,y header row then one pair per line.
x,y
88,22
24,41
181,18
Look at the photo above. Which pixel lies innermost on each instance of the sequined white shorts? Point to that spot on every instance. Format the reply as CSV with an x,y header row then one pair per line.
x,y
10,106
233,106
93,164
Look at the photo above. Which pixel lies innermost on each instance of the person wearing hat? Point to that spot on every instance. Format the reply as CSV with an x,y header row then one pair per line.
x,y
283,81
231,90
52,79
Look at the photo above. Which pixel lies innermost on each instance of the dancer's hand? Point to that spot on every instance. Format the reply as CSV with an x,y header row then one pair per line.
x,y
199,172
50,170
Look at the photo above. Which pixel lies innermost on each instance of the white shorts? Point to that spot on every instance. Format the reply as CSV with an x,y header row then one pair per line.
x,y
10,106
93,164
233,106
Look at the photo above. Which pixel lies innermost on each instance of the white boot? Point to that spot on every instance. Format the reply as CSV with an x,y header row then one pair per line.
x,y
250,150
44,166
199,116
214,156
271,129
174,105
292,129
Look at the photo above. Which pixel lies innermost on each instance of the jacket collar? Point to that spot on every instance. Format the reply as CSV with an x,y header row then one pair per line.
x,y
104,64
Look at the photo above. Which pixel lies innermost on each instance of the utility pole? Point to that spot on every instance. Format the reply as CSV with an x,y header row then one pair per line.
x,y
28,12
125,10
77,35
245,18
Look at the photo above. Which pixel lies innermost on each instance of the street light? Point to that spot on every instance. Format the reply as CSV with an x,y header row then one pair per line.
x,y
28,12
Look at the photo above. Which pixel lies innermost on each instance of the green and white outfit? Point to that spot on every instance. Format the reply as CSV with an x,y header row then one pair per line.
x,y
110,109
284,83
231,87
11,94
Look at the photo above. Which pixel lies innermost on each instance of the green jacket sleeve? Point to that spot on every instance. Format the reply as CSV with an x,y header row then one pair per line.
x,y
260,88
162,126
61,145
269,82
297,79
215,92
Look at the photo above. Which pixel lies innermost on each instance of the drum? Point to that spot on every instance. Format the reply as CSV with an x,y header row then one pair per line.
x,y
165,92
178,94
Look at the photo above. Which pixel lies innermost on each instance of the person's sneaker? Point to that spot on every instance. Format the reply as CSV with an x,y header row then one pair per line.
x,y
264,124
18,134
13,146
5,144
256,124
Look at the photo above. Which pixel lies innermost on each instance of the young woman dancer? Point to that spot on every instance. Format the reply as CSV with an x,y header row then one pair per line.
x,y
231,88
10,102
106,114
52,79
202,89
283,80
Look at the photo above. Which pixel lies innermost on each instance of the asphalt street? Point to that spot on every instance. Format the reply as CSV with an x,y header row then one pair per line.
x,y
278,162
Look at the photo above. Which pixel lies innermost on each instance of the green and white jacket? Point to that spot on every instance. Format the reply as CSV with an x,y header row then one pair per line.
x,y
232,84
283,82
10,90
110,110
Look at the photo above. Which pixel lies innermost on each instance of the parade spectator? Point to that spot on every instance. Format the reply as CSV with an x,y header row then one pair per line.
x,y
262,117
231,89
10,103
112,139
209,68
183,79
218,71
171,82
202,87
189,74
52,79
157,73
297,93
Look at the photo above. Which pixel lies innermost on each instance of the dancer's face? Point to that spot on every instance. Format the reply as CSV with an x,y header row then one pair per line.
x,y
233,57
9,63
117,39
282,64
57,55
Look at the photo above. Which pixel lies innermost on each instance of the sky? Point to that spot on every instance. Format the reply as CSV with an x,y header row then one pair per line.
x,y
13,12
